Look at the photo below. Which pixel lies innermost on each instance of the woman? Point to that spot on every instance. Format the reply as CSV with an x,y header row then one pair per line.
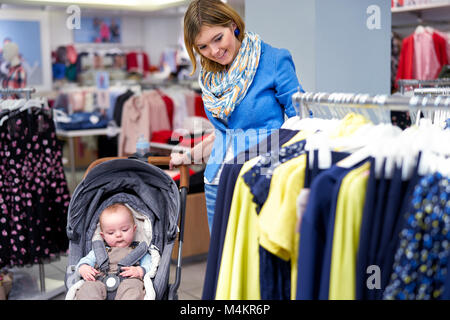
x,y
247,87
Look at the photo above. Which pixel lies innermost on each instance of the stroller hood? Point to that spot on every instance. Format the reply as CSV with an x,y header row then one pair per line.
x,y
143,186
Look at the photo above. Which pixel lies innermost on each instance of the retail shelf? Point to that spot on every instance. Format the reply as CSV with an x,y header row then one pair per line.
x,y
88,132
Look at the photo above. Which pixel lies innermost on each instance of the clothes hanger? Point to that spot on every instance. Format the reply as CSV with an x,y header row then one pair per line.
x,y
10,105
420,29
434,143
319,141
377,146
32,103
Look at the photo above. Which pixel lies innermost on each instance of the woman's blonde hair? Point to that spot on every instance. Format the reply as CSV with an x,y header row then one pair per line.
x,y
208,13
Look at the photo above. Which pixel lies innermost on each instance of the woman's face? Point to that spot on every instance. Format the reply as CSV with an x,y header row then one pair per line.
x,y
218,44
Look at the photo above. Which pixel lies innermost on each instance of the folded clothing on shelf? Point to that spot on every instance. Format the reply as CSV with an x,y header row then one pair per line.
x,y
83,120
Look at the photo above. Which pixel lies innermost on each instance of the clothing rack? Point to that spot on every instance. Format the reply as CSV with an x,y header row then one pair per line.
x,y
402,83
433,92
28,92
444,91
302,101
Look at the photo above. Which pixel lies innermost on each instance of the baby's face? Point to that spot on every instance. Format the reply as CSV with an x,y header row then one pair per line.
x,y
118,228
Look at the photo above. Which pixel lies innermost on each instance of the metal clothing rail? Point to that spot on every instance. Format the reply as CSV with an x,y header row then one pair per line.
x,y
26,91
402,83
440,116
444,91
302,102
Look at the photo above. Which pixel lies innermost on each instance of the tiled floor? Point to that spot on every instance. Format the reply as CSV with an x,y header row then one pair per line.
x,y
27,281
26,284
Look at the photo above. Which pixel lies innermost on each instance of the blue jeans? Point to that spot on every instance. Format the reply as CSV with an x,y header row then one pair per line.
x,y
210,195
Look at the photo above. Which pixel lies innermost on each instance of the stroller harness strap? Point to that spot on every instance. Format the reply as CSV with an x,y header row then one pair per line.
x,y
101,255
111,278
135,255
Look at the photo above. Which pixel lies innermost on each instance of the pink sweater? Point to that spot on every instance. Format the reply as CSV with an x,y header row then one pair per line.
x,y
142,115
426,64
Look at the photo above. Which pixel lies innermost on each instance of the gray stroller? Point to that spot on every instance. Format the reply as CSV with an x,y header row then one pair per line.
x,y
156,203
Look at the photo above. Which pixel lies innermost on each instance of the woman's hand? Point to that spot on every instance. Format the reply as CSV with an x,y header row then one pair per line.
x,y
198,154
132,272
87,272
177,159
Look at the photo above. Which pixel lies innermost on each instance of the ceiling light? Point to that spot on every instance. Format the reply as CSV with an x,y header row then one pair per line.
x,y
112,4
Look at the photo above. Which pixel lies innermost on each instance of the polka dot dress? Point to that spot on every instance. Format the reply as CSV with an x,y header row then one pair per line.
x,y
420,266
34,196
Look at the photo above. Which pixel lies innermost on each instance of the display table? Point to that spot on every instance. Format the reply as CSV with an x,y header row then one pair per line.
x,y
71,134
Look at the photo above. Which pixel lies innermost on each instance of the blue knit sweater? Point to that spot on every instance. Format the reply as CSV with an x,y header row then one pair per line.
x,y
262,109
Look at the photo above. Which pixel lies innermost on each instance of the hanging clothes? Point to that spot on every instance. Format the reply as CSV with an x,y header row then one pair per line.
x,y
138,62
141,115
420,267
426,64
391,209
290,224
349,208
317,228
248,230
227,184
34,196
405,62
422,56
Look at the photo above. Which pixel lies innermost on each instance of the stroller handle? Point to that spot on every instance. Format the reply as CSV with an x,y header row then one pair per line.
x,y
157,161
184,170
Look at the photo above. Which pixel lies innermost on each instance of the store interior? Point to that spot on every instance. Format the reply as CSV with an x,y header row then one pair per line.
x,y
91,64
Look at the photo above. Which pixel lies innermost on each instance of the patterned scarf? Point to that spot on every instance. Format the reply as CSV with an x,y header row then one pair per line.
x,y
223,91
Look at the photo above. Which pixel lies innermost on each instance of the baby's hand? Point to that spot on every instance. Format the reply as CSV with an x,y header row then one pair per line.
x,y
132,272
87,272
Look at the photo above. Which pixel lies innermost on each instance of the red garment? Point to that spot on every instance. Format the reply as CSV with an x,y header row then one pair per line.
x,y
71,54
190,142
406,62
199,107
138,62
176,176
440,46
162,136
169,105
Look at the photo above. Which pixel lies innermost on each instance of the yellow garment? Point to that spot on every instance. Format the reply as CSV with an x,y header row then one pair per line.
x,y
349,211
239,269
349,124
301,135
278,216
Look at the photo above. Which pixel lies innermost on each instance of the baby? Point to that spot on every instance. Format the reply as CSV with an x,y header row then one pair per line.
x,y
117,230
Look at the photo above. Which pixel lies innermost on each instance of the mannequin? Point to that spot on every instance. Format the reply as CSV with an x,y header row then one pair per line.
x,y
11,53
16,77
